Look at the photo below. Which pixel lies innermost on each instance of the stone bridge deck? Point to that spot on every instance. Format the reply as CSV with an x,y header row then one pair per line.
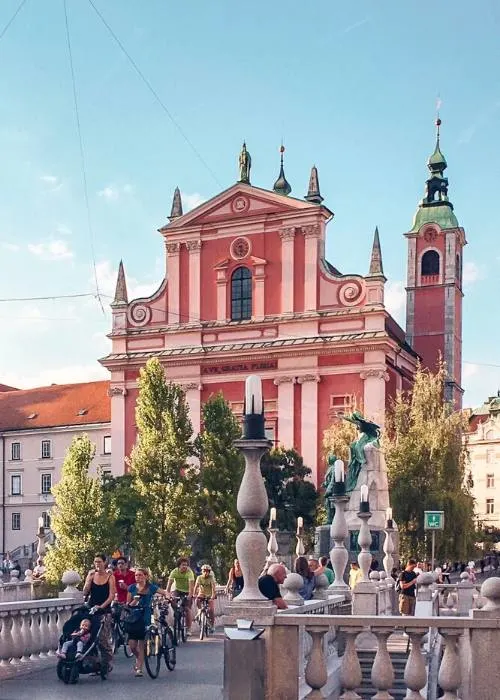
x,y
198,674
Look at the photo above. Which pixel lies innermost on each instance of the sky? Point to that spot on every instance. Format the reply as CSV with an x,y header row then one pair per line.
x,y
350,87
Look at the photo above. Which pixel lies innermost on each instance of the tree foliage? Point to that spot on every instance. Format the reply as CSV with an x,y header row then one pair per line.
x,y
82,519
126,502
160,469
426,461
218,481
287,489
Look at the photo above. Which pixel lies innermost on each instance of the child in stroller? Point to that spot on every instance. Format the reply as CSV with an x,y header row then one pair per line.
x,y
83,627
80,637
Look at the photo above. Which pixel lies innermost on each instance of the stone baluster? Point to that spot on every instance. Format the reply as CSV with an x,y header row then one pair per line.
x,y
36,640
350,670
272,546
17,639
388,560
364,542
449,677
45,646
415,669
53,632
339,555
374,577
465,591
5,639
26,635
316,674
384,586
382,672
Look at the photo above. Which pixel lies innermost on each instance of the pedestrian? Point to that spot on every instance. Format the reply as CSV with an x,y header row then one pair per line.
x,y
39,570
270,582
308,578
124,578
100,589
355,575
324,569
234,584
406,587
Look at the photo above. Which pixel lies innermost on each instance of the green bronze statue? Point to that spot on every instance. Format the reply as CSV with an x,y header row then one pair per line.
x,y
368,433
245,163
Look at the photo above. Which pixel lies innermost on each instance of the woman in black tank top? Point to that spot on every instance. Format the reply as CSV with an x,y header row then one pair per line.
x,y
100,591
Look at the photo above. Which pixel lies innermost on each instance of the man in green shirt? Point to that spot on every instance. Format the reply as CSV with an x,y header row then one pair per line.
x,y
182,580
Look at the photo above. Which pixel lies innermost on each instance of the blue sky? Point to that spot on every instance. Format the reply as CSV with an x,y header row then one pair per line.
x,y
350,87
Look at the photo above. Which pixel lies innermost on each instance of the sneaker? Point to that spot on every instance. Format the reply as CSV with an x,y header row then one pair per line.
x,y
188,633
138,673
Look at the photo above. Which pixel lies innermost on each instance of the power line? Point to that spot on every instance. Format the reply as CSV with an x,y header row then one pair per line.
x,y
155,95
11,20
82,154
53,297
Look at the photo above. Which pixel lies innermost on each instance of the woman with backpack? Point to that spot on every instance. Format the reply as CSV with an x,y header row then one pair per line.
x,y
140,596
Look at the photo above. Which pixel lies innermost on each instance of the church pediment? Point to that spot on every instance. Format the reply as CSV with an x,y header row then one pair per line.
x,y
239,201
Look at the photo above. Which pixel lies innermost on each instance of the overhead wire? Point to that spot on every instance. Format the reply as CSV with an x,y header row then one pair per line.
x,y
155,94
11,20
82,155
54,297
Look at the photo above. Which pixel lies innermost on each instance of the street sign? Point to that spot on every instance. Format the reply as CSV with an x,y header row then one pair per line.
x,y
434,520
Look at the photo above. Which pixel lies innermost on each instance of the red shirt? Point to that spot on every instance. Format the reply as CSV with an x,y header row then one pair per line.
x,y
128,579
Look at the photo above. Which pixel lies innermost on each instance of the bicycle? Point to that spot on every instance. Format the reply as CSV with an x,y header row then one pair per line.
x,y
159,642
118,635
204,619
180,625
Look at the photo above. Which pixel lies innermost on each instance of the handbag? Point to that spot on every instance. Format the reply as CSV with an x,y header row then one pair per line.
x,y
133,621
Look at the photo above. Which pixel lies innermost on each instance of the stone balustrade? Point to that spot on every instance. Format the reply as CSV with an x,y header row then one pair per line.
x,y
30,629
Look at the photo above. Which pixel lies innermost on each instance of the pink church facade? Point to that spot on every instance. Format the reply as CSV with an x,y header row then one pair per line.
x,y
249,290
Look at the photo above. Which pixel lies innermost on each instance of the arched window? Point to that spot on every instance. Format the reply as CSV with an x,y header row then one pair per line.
x,y
430,263
458,269
241,294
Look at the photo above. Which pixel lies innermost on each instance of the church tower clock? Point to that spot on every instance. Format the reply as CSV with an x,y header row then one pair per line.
x,y
434,278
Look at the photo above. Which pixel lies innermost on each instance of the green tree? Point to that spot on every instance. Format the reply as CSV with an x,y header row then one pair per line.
x,y
125,500
160,469
82,520
221,470
287,489
426,459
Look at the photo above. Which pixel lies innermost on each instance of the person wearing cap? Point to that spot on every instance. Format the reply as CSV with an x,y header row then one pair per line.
x,y
204,587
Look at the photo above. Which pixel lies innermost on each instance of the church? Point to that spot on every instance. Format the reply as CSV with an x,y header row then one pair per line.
x,y
250,291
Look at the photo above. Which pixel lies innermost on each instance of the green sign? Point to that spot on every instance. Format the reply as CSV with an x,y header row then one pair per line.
x,y
434,520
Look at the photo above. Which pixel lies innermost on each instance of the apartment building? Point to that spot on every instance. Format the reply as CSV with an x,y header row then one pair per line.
x,y
484,451
36,428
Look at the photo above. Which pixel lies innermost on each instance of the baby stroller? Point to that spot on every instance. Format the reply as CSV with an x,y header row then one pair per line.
x,y
69,669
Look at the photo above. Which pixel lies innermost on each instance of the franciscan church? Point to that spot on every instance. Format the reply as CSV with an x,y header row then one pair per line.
x,y
249,290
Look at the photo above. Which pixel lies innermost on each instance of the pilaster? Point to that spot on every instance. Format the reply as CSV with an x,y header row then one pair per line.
x,y
374,393
193,397
194,248
309,422
285,410
287,236
312,235
173,276
117,395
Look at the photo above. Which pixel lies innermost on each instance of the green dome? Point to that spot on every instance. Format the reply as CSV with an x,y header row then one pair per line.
x,y
437,158
441,214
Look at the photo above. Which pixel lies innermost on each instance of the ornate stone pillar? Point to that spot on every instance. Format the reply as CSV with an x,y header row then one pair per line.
x,y
312,235
173,265
374,393
309,422
117,395
193,397
221,282
285,410
287,236
194,248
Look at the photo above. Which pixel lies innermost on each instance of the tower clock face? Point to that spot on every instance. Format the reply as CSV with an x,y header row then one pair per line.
x,y
430,234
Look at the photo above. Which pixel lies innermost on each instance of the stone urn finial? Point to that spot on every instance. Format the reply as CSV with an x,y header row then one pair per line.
x,y
292,584
490,590
14,576
321,589
71,579
28,575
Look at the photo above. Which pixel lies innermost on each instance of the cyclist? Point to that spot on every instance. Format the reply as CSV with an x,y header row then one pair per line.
x,y
124,578
140,594
204,587
183,579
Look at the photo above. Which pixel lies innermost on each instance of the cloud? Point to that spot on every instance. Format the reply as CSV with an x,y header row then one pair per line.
x,y
472,272
53,182
63,230
106,276
351,27
395,299
56,375
11,247
190,201
113,192
469,370
51,250
481,121
479,382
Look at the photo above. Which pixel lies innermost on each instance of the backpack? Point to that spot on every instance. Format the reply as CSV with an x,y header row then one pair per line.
x,y
398,586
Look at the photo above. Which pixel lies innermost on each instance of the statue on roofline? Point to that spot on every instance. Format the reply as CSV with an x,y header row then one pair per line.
x,y
369,433
245,163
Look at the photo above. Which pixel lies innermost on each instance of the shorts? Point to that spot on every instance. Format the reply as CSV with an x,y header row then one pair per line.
x,y
407,604
138,633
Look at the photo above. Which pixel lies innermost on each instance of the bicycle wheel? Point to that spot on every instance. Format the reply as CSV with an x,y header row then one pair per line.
x,y
168,647
116,638
152,653
183,626
202,621
126,649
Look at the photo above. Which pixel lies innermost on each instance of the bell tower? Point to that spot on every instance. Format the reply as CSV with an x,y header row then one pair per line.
x,y
434,278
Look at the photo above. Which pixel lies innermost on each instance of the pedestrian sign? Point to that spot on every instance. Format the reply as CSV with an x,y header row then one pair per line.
x,y
434,520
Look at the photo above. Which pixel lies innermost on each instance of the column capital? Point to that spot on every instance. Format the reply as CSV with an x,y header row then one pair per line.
x,y
192,386
117,391
309,378
284,380
173,248
194,246
377,373
312,231
288,233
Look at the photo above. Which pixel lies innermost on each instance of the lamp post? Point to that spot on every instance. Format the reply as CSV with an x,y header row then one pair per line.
x,y
252,502
272,544
365,536
388,543
338,530
299,549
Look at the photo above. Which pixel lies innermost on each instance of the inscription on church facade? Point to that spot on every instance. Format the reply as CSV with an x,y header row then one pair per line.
x,y
234,367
